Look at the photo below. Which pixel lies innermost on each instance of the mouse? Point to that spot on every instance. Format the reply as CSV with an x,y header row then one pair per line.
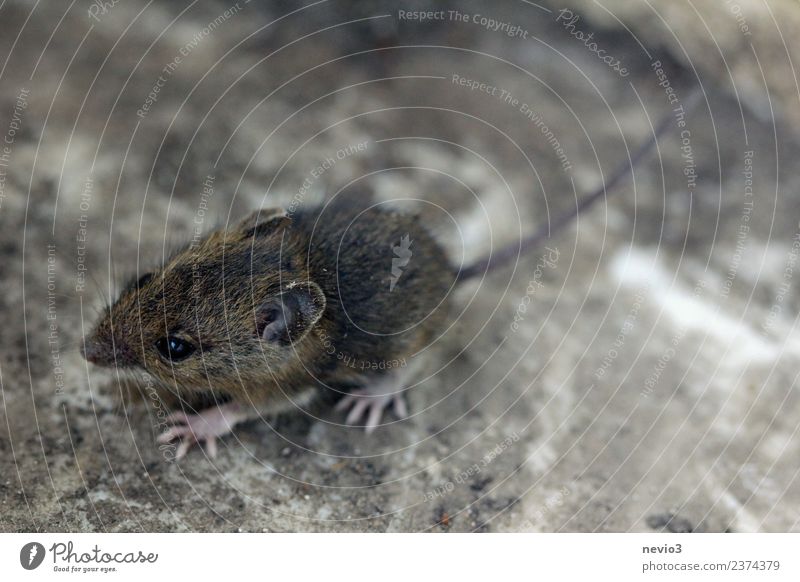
x,y
266,314
269,312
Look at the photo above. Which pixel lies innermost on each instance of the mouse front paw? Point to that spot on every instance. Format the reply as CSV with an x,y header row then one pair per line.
x,y
203,427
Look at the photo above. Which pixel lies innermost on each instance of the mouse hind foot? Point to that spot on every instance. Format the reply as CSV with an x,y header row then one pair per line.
x,y
367,405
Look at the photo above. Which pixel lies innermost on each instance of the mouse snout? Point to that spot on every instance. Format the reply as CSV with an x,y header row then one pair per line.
x,y
91,352
104,354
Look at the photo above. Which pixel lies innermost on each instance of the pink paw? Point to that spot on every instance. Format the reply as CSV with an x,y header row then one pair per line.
x,y
367,406
203,427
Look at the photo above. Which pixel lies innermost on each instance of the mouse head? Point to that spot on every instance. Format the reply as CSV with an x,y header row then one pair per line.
x,y
233,308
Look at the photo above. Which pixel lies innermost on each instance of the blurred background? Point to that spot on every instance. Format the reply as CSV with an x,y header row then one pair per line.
x,y
637,374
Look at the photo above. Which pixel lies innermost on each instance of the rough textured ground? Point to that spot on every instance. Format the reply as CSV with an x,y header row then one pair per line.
x,y
643,377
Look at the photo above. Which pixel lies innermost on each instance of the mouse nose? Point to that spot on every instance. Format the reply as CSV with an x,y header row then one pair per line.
x,y
91,352
100,353
104,345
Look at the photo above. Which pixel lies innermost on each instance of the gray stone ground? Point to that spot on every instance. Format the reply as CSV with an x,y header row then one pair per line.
x,y
649,379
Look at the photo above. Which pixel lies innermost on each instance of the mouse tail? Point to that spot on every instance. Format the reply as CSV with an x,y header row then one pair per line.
x,y
515,250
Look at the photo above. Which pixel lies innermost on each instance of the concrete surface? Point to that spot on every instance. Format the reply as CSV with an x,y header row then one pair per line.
x,y
640,375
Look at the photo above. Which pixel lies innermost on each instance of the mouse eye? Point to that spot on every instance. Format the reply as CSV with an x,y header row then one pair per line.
x,y
174,348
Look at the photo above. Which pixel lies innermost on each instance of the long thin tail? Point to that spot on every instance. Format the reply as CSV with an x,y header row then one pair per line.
x,y
515,250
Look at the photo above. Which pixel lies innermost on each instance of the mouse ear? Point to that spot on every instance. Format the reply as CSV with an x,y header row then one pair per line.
x,y
263,221
287,318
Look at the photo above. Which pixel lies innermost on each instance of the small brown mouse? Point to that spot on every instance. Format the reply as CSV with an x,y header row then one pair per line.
x,y
269,312
265,314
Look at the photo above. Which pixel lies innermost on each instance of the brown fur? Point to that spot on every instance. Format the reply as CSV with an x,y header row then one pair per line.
x,y
210,294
